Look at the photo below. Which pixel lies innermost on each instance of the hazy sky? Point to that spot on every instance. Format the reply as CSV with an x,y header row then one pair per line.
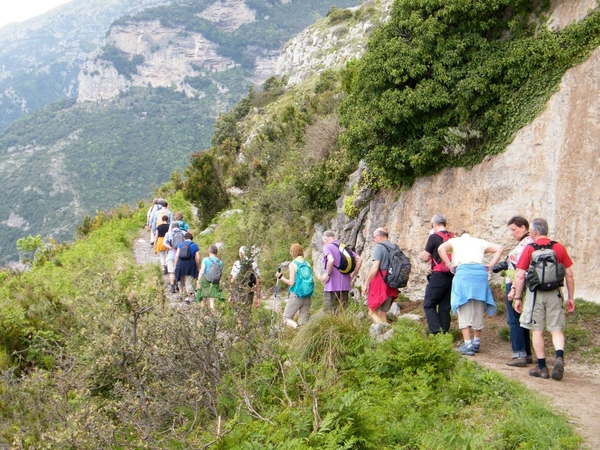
x,y
19,10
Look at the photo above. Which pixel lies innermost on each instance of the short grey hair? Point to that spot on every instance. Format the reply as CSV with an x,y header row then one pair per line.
x,y
540,226
438,219
328,234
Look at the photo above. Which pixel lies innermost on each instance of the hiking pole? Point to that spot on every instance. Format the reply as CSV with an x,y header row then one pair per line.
x,y
275,296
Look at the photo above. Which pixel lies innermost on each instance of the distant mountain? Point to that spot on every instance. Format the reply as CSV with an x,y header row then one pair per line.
x,y
110,108
41,57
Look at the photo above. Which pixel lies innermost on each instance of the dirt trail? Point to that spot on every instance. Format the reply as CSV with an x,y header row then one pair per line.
x,y
577,395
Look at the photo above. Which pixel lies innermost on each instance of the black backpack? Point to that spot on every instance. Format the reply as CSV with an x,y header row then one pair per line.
x,y
399,271
347,262
185,252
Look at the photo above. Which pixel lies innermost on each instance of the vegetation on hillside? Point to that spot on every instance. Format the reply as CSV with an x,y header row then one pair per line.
x,y
92,356
71,160
448,82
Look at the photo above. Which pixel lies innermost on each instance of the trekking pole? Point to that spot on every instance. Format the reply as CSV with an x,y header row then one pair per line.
x,y
275,296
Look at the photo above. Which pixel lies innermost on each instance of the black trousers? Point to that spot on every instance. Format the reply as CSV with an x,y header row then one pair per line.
x,y
437,301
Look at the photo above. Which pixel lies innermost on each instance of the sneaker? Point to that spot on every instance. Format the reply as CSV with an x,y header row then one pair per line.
x,y
476,346
539,373
559,369
529,359
517,362
466,349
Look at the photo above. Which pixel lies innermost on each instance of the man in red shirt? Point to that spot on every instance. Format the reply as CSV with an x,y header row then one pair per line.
x,y
544,307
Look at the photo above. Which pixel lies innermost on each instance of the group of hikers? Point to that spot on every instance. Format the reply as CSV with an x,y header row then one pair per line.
x,y
532,276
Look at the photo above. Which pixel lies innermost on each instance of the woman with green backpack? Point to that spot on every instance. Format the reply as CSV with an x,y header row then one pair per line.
x,y
302,287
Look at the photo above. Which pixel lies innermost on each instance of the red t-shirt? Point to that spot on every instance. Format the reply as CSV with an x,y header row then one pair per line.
x,y
561,254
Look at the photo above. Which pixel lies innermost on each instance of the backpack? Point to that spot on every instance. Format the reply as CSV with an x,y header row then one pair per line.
x,y
183,226
399,270
347,261
185,252
545,273
304,285
247,269
214,272
441,266
176,238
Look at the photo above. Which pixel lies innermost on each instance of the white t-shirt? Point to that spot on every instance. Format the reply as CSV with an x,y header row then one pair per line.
x,y
468,250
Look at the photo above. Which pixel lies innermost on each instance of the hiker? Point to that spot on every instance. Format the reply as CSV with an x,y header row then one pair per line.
x,y
250,277
336,284
159,236
544,306
471,295
187,260
173,238
439,280
520,338
210,278
301,290
178,217
149,216
379,295
162,209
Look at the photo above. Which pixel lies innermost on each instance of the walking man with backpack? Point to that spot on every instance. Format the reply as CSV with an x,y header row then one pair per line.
x,y
209,280
187,260
542,267
380,296
341,265
439,281
173,238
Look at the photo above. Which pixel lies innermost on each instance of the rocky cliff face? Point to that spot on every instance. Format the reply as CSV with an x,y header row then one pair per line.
x,y
170,55
324,46
548,171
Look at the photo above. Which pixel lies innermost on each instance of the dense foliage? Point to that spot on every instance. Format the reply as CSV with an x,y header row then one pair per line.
x,y
448,82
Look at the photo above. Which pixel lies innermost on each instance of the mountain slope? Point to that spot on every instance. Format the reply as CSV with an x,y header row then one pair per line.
x,y
40,58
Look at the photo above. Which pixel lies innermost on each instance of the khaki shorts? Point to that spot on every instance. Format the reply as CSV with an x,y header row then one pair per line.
x,y
385,306
170,266
548,309
331,300
471,315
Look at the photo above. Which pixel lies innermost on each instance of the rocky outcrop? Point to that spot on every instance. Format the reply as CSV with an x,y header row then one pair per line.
x,y
170,55
323,46
229,14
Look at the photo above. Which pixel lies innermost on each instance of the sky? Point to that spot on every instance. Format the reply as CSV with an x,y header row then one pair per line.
x,y
19,10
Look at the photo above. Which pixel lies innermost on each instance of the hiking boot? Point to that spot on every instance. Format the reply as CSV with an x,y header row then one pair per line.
x,y
559,369
539,373
164,268
466,350
476,346
172,289
517,362
529,359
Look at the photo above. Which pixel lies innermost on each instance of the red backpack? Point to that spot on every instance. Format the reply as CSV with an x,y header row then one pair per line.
x,y
440,266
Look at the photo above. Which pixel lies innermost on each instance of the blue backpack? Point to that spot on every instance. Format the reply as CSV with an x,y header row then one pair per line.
x,y
304,286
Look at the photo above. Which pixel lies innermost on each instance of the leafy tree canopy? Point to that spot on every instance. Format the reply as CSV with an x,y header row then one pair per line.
x,y
447,82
